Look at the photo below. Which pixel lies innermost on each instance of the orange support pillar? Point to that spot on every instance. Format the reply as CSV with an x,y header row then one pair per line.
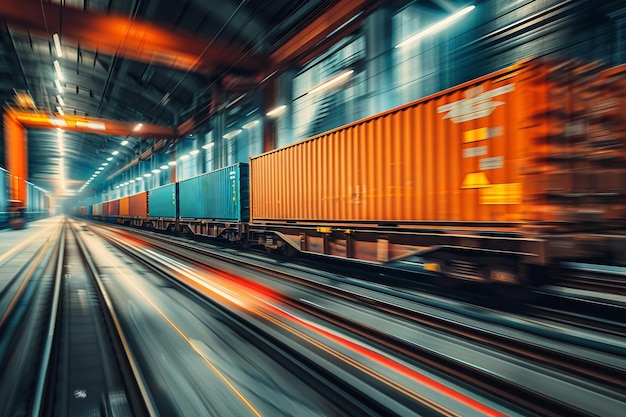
x,y
16,159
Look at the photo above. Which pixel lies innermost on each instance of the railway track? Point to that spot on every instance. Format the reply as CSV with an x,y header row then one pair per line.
x,y
609,377
66,356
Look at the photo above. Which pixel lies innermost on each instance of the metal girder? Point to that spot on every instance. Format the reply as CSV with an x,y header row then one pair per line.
x,y
314,33
137,40
91,125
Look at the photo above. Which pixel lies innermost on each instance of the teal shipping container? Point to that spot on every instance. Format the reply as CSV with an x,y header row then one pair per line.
x,y
162,202
223,194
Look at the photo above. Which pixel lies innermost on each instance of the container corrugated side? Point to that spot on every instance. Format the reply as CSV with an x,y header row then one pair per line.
x,y
124,206
221,195
114,208
105,208
484,151
138,205
162,201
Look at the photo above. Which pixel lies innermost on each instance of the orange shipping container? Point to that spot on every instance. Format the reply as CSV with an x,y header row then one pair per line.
x,y
496,149
139,205
124,206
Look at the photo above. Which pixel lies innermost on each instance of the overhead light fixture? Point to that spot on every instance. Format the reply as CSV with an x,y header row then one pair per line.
x,y
124,143
147,174
138,127
251,124
99,169
336,80
194,152
184,157
131,181
57,67
232,134
110,158
59,86
126,183
208,145
60,111
436,27
139,179
115,152
91,125
60,100
156,170
105,164
164,167
117,186
55,121
57,44
277,111
171,163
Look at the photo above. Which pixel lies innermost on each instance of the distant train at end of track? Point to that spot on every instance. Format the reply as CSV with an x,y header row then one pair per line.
x,y
494,180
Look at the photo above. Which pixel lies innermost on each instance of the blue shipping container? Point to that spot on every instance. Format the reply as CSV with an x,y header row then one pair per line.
x,y
219,195
162,202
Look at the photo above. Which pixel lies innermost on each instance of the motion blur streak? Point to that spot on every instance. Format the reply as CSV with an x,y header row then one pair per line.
x,y
33,266
23,244
258,296
420,378
189,342
248,288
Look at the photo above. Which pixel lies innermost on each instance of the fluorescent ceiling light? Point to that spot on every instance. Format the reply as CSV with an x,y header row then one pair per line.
x,y
115,152
184,157
60,110
55,121
232,134
139,179
57,67
336,80
164,167
277,111
91,125
57,44
110,158
251,124
105,164
194,152
156,170
59,86
138,127
170,163
147,174
131,181
126,183
436,27
124,143
208,145
61,101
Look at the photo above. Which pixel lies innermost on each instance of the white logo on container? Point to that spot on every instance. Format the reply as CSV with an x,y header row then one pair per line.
x,y
477,104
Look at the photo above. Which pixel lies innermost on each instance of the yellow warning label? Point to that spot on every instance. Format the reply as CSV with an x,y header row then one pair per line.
x,y
509,193
475,180
475,135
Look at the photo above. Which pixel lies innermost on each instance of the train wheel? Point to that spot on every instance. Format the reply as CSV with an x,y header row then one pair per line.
x,y
288,251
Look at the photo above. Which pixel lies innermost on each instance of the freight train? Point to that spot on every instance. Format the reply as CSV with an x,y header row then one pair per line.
x,y
494,180
14,212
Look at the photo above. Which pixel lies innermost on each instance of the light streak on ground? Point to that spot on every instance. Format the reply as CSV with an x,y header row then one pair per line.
x,y
185,338
256,297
